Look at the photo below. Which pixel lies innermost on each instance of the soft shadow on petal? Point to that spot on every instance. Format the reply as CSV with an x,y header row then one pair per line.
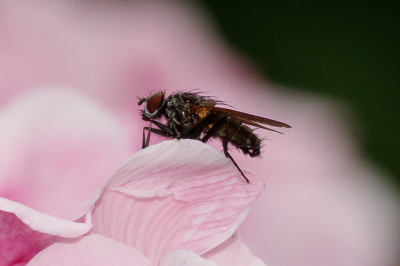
x,y
233,252
184,258
25,232
90,250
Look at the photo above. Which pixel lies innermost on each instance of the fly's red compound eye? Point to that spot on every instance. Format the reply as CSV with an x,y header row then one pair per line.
x,y
153,103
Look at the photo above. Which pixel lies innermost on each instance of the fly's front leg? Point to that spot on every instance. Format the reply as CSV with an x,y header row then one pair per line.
x,y
162,131
145,142
155,131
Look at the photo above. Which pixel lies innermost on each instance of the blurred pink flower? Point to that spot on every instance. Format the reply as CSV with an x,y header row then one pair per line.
x,y
177,195
323,205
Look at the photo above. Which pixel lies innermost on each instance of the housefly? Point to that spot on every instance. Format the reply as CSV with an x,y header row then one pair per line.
x,y
189,115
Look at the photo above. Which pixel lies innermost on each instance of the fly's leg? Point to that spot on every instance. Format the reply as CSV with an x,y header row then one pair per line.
x,y
167,130
225,145
162,131
146,141
159,132
195,132
217,126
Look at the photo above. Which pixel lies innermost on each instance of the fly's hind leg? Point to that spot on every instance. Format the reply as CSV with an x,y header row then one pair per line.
x,y
217,126
225,146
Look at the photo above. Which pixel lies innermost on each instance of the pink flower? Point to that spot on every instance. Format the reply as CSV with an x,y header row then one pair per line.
x,y
173,201
323,204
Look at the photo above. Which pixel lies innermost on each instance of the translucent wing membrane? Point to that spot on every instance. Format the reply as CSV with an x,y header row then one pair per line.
x,y
253,120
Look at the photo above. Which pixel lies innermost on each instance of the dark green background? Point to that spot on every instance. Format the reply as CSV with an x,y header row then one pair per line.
x,y
349,50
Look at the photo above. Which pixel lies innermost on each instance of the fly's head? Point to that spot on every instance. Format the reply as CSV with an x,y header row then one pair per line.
x,y
153,106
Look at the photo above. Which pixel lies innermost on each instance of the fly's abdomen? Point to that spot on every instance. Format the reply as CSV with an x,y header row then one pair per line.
x,y
240,136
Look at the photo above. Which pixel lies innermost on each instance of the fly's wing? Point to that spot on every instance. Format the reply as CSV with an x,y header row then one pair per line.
x,y
253,120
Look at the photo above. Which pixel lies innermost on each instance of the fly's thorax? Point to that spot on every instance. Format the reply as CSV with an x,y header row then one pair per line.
x,y
180,111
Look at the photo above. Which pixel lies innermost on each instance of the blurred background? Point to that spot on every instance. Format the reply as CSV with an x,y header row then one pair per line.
x,y
349,50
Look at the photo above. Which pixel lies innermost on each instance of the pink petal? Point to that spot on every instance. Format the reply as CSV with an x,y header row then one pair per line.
x,y
24,231
233,252
176,194
153,225
90,250
184,258
196,173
